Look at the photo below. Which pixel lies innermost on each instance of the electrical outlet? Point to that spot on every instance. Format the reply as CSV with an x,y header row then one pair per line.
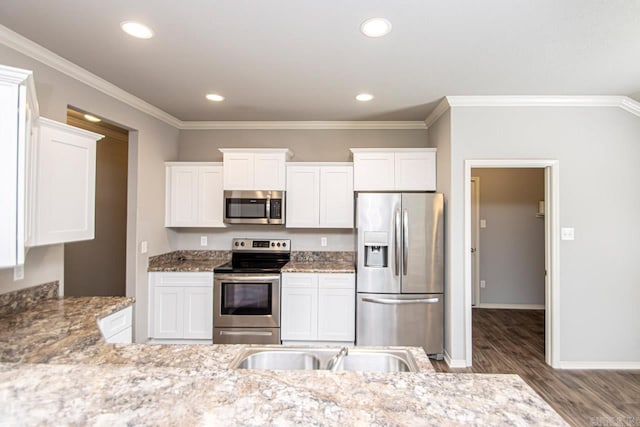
x,y
18,273
203,241
567,233
143,247
483,223
323,241
483,284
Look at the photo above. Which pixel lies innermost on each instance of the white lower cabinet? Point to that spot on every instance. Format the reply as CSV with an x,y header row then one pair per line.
x,y
181,306
318,307
117,328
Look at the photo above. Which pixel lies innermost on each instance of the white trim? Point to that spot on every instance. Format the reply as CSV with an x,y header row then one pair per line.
x,y
454,363
597,365
292,125
394,150
68,128
552,256
475,229
440,109
512,306
188,163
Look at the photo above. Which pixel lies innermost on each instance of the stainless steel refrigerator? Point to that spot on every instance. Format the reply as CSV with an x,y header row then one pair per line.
x,y
400,270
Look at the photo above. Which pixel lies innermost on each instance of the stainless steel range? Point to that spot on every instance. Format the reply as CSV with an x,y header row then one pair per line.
x,y
246,292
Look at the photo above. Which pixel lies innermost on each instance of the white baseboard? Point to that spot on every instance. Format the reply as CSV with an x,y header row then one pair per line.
x,y
573,364
454,363
511,306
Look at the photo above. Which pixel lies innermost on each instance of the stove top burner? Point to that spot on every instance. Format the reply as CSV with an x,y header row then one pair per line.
x,y
257,256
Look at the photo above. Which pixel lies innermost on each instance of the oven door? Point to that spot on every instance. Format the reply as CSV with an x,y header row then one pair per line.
x,y
246,300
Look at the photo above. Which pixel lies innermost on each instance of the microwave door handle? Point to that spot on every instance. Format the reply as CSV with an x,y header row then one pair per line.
x,y
268,208
405,241
396,240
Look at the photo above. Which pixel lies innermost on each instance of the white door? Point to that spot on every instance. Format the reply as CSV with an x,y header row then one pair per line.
x,y
415,171
299,316
182,202
373,171
475,237
238,171
168,312
269,170
336,307
303,196
336,197
198,312
210,196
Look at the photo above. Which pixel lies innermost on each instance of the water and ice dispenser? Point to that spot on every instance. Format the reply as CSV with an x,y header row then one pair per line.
x,y
376,249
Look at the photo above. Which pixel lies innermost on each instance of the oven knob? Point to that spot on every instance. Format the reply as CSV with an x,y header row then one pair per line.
x,y
241,243
284,244
237,243
278,244
272,244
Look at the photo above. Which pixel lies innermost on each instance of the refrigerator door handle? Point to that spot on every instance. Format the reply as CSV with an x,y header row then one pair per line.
x,y
389,301
405,241
396,238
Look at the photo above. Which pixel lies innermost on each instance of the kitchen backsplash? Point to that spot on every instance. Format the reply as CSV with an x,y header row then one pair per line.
x,y
190,255
24,299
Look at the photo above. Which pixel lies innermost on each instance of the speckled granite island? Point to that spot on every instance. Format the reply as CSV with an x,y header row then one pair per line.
x,y
55,369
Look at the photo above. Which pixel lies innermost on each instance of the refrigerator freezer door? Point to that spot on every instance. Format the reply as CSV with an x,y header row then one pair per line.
x,y
379,224
422,243
407,320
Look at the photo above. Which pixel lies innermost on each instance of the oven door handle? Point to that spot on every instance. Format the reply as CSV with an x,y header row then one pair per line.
x,y
246,277
248,333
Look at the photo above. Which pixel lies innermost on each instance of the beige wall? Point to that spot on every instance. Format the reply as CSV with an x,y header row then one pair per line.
x,y
152,143
598,152
511,247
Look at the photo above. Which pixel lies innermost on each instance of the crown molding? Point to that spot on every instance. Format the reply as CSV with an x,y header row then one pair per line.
x,y
628,104
27,47
292,125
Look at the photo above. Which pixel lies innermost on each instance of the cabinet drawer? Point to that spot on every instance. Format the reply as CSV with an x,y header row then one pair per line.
x,y
337,280
182,279
116,322
299,280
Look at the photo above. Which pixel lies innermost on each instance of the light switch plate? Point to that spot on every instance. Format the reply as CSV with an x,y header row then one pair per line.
x,y
483,284
18,273
567,233
483,223
323,241
143,247
203,241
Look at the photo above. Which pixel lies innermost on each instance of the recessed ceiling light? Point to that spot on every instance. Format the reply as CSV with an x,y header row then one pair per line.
x,y
375,27
215,97
92,118
364,97
136,29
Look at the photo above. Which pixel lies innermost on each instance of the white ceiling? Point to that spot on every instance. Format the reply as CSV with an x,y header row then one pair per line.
x,y
306,60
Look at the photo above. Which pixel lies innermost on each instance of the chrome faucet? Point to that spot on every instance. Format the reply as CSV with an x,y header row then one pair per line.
x,y
336,359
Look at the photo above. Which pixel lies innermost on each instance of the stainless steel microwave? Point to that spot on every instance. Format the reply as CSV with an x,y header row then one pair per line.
x,y
254,207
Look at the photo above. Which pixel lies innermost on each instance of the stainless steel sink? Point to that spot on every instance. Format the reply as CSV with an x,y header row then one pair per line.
x,y
313,358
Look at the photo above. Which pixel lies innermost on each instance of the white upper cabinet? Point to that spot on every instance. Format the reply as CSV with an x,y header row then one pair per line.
x,y
194,194
254,169
18,110
62,184
320,195
400,169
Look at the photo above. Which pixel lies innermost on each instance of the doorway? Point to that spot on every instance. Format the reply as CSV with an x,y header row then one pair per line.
x,y
98,267
551,243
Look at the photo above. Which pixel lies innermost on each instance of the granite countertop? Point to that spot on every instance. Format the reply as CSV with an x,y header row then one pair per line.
x,y
188,261
54,365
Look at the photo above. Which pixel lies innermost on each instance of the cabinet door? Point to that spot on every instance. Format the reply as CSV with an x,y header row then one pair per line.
x,y
336,307
299,314
336,197
198,312
168,312
415,171
269,171
65,184
373,171
182,196
239,171
303,194
210,196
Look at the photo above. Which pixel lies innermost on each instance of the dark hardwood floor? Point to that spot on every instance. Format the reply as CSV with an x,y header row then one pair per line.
x,y
512,342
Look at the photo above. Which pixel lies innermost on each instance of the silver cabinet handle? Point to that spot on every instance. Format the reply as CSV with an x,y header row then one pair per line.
x,y
396,243
247,333
405,241
402,301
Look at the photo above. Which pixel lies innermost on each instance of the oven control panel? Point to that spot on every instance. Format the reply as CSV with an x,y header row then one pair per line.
x,y
260,245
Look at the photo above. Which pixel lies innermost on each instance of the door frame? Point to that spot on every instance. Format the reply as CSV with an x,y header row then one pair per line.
x,y
475,229
551,245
